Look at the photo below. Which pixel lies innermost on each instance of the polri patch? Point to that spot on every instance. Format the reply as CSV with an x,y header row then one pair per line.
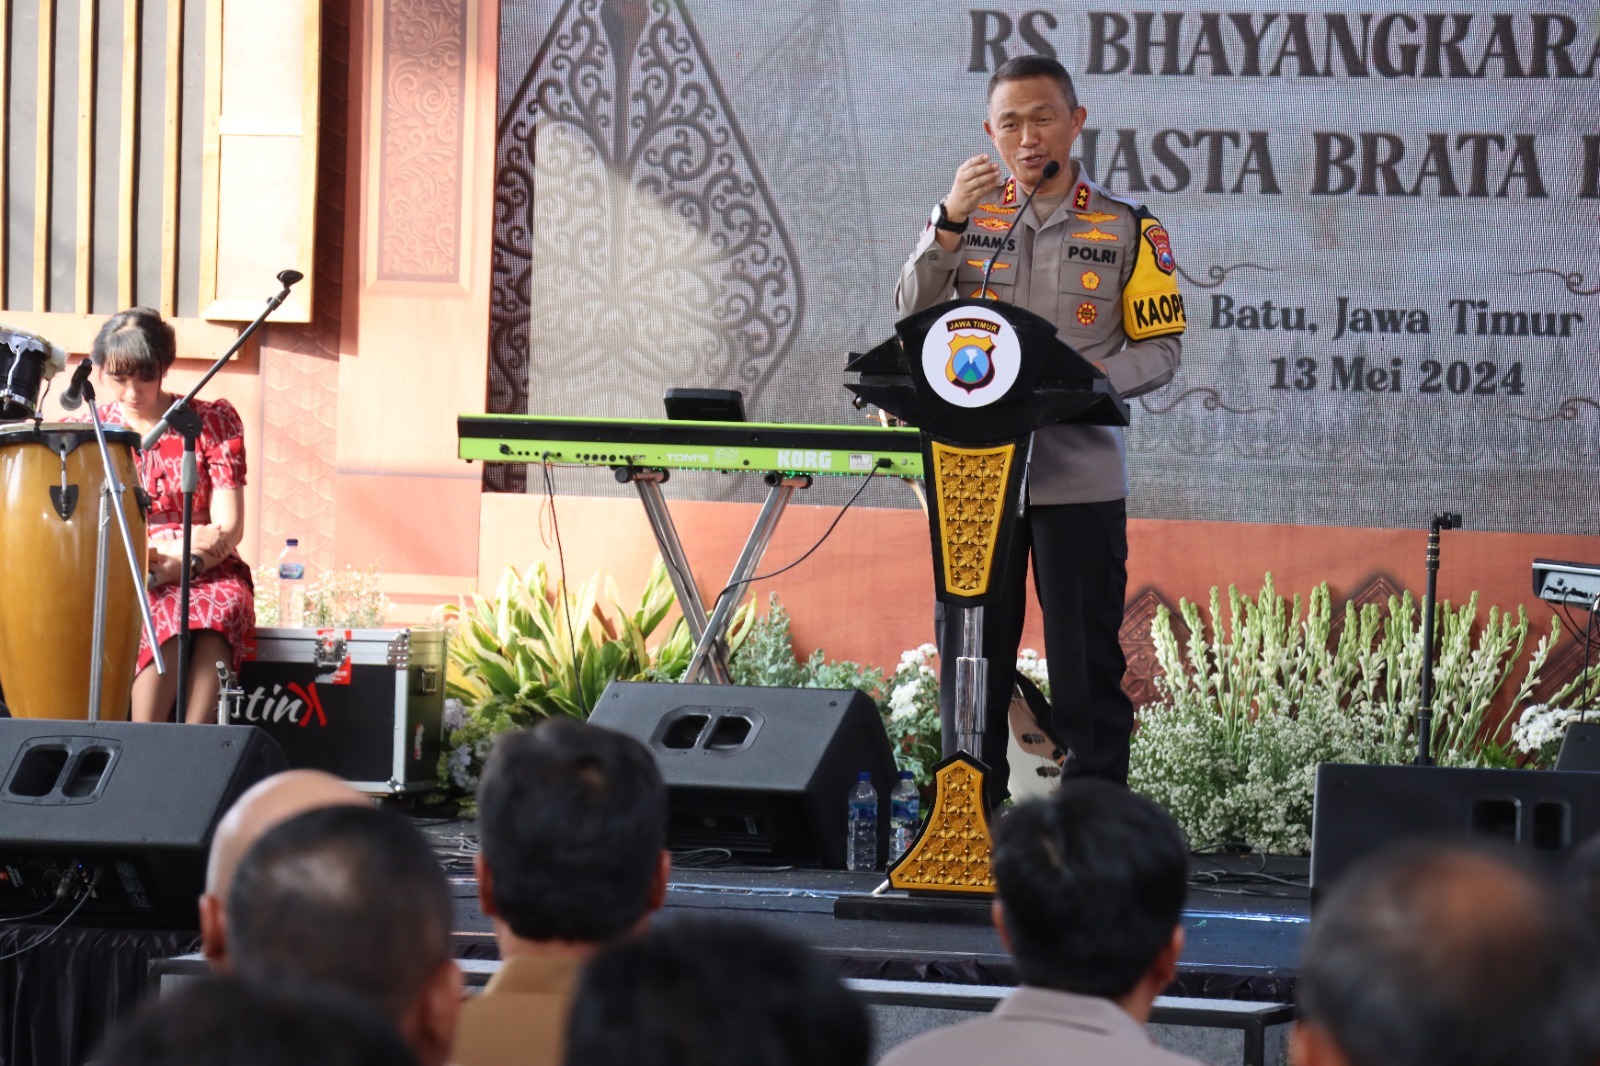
x,y
1162,247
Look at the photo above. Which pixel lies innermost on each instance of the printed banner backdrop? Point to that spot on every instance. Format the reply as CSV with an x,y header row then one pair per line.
x,y
1387,223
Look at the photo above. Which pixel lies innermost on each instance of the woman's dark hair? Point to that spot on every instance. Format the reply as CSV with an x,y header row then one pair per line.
x,y
137,343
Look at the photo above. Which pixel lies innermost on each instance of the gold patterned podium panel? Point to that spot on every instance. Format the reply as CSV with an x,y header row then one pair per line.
x,y
953,850
969,491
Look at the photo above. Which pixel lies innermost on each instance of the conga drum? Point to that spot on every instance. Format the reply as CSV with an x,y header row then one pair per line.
x,y
26,363
50,481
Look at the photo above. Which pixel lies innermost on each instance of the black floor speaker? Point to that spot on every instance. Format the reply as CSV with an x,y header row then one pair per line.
x,y
762,773
126,808
1361,809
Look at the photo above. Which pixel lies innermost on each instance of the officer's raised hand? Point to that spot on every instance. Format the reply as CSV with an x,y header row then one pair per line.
x,y
974,179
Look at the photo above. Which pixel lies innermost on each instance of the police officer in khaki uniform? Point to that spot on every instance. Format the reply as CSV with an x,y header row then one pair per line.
x,y
1101,268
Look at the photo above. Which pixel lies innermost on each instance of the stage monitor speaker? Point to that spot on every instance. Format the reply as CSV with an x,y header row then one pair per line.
x,y
127,807
1361,809
1580,747
763,773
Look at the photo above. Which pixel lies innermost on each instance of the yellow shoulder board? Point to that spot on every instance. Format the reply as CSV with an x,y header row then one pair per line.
x,y
1151,303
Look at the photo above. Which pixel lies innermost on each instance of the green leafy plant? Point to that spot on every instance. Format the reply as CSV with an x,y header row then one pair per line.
x,y
535,649
766,656
1259,696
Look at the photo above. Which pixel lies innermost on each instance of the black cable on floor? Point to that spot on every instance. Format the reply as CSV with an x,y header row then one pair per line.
x,y
82,899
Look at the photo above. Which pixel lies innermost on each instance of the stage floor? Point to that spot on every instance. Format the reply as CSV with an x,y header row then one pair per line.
x,y
1245,920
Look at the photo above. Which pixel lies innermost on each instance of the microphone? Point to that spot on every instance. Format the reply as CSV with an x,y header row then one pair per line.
x,y
1051,169
72,399
286,278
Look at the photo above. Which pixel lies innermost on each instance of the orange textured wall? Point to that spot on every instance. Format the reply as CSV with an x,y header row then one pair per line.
x,y
866,594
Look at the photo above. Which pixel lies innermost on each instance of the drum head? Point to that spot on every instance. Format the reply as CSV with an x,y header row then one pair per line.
x,y
63,438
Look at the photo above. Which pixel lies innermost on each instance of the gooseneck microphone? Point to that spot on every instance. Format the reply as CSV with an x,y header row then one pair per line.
x,y
72,399
1051,169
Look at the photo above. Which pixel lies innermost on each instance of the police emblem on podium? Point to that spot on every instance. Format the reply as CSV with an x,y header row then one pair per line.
x,y
977,378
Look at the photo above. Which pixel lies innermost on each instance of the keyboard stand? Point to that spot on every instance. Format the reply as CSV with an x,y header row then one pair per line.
x,y
709,633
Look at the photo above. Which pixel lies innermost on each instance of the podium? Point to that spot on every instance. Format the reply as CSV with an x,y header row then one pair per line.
x,y
977,378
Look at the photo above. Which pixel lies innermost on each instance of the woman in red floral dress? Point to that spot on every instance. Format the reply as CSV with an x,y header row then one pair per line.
x,y
133,352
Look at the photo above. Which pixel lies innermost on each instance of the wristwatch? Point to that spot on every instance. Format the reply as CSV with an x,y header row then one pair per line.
x,y
197,566
941,220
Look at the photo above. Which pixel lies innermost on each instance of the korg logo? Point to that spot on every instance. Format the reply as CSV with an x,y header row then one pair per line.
x,y
802,459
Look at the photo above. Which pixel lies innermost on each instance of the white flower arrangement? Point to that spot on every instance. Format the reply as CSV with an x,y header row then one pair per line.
x,y
912,717
340,599
1541,729
1263,693
1034,669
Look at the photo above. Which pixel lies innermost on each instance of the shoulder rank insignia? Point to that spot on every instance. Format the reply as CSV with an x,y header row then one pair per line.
x,y
1080,197
1010,195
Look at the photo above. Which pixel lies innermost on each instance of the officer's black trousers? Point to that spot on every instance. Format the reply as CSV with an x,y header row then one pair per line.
x,y
1080,563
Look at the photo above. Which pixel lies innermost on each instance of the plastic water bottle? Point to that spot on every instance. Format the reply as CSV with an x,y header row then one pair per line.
x,y
291,585
861,842
905,814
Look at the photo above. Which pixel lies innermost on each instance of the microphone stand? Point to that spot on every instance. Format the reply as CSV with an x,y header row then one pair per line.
x,y
111,490
1051,169
1440,522
972,666
182,418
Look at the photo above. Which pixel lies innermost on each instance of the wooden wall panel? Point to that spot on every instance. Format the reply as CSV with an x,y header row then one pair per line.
x,y
260,155
422,320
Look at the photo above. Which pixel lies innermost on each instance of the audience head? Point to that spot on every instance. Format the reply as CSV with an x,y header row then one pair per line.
x,y
1446,954
351,897
226,1022
136,343
573,823
714,992
1583,878
262,806
1091,882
